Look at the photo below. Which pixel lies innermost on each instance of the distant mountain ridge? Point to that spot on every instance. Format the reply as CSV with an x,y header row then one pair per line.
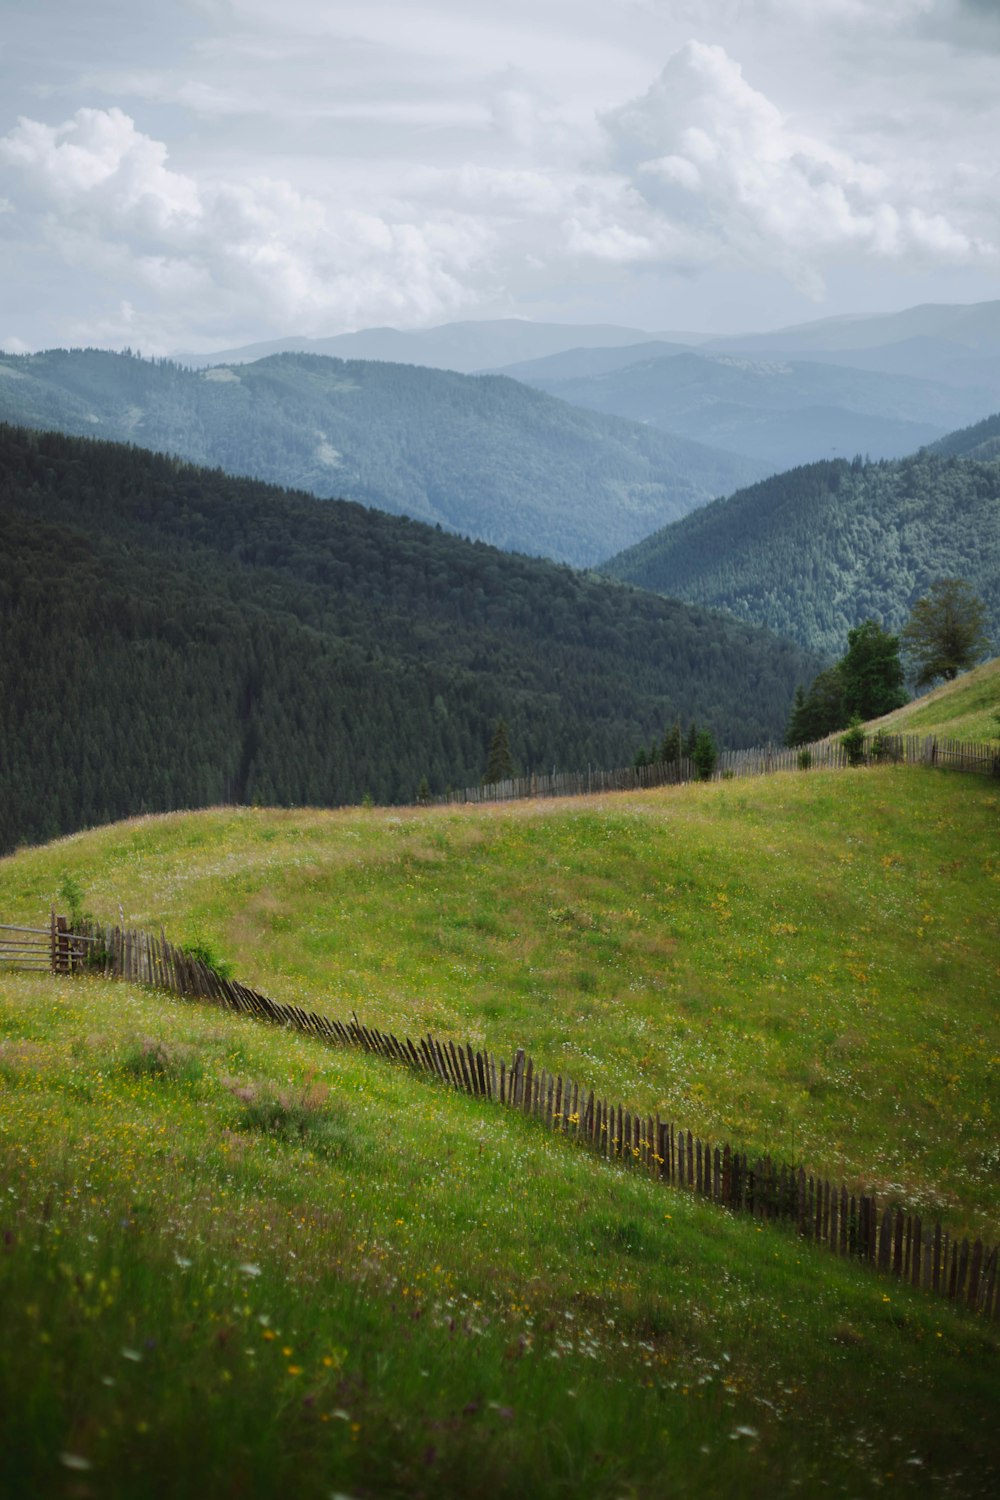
x,y
780,411
955,343
483,456
466,347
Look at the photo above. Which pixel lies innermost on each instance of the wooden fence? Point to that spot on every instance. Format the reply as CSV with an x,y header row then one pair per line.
x,y
54,949
889,1238
823,755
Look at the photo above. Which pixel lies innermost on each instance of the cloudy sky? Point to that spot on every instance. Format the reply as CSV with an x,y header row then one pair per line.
x,y
190,174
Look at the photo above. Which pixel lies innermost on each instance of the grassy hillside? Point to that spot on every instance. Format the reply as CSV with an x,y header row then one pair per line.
x,y
966,709
394,1290
816,551
485,457
805,964
398,1292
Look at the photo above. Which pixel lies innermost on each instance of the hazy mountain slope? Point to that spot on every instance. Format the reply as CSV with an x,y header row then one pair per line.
x,y
484,456
572,364
979,441
932,359
813,552
464,346
953,344
176,637
975,326
782,412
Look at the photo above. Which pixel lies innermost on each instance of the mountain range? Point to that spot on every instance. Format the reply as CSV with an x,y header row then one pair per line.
x,y
876,386
780,411
466,347
483,456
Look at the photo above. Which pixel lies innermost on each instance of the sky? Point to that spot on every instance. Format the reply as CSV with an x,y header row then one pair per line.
x,y
196,174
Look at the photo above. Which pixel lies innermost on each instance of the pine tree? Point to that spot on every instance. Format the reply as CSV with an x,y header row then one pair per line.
x,y
705,755
671,752
797,731
500,762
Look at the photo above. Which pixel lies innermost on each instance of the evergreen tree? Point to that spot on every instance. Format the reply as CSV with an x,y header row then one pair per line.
x,y
796,733
500,762
705,755
691,743
945,632
824,707
671,752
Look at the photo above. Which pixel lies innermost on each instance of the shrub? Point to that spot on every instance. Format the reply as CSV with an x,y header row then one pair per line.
x,y
854,742
203,950
883,747
805,759
72,896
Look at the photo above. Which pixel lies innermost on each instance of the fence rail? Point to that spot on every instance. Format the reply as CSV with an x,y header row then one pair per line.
x,y
879,748
890,1238
54,949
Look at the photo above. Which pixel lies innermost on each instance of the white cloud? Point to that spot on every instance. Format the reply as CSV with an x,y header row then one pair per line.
x,y
103,196
706,149
255,170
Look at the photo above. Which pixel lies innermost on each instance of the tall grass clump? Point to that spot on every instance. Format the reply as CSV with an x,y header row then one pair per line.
x,y
304,1116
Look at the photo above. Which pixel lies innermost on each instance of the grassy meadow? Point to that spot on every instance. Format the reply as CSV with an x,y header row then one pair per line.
x,y
239,1263
966,709
234,1259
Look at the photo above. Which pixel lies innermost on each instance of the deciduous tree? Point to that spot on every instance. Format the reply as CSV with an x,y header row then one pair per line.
x,y
945,632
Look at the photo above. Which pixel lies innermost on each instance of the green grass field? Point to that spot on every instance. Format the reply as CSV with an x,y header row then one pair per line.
x,y
966,709
235,1260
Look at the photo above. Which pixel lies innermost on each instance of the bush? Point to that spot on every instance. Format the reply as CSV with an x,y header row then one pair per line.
x,y
204,952
883,747
805,759
854,742
72,896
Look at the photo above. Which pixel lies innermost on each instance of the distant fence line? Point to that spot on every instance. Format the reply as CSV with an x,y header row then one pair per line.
x,y
895,1241
821,755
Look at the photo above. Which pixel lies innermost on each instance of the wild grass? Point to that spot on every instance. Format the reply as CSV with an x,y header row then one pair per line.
x,y
805,965
455,1304
966,709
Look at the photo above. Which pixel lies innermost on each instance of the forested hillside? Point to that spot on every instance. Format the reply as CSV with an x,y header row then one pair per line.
x,y
979,441
813,552
486,456
175,637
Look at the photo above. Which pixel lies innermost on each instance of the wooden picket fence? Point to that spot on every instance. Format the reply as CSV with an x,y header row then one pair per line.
x,y
823,755
889,1238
